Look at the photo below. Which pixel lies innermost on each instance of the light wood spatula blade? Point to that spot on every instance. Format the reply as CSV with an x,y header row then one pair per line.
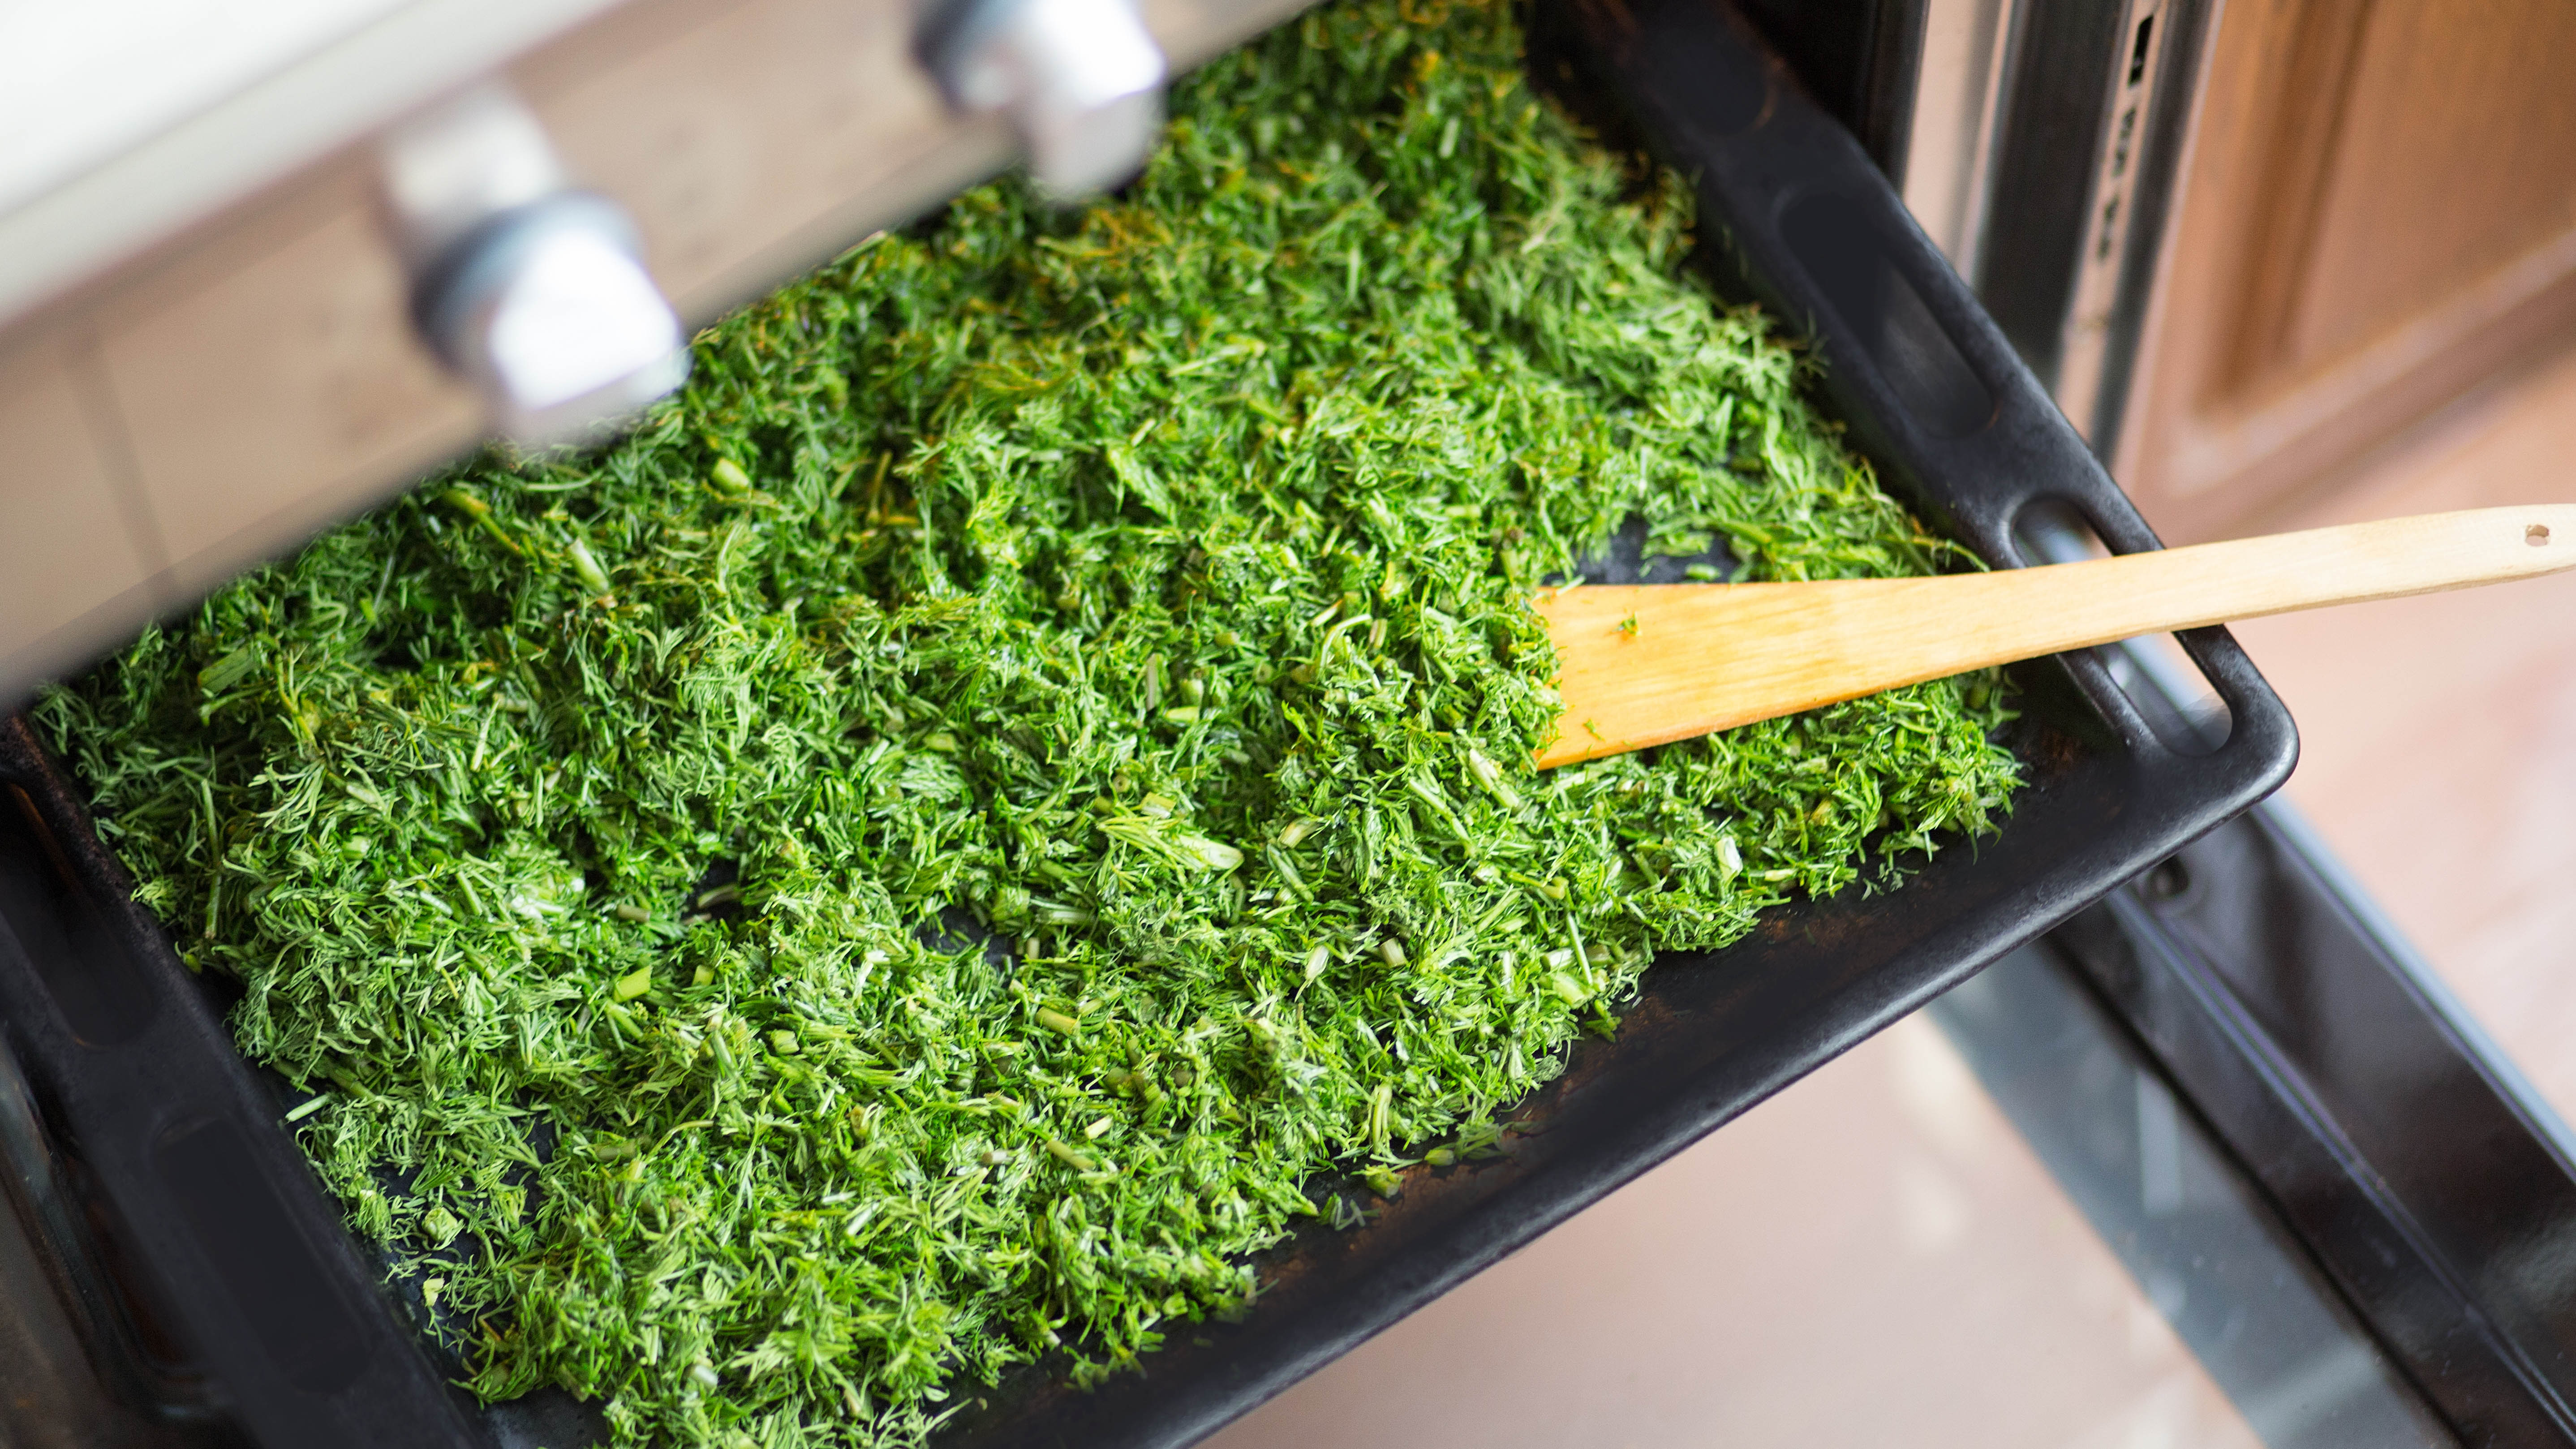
x,y
1647,664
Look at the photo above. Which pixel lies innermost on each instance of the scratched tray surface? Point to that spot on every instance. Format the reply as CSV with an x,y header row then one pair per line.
x,y
1792,215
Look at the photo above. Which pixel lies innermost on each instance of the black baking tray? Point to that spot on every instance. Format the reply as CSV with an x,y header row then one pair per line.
x,y
211,1210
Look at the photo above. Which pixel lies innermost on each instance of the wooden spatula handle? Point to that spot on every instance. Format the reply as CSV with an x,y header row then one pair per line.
x,y
1644,665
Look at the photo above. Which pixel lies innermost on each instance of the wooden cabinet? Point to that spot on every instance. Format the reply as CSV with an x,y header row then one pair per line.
x,y
2378,217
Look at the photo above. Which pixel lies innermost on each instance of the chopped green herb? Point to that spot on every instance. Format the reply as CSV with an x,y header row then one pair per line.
x,y
586,568
1145,587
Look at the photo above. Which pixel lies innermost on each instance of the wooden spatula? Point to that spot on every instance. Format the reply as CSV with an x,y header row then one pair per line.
x,y
1646,664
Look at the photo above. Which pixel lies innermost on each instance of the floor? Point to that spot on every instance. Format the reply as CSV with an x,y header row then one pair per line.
x,y
1870,1258
1873,1256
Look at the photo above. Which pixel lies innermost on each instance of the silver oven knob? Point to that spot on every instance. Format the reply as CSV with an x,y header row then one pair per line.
x,y
531,290
1081,82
